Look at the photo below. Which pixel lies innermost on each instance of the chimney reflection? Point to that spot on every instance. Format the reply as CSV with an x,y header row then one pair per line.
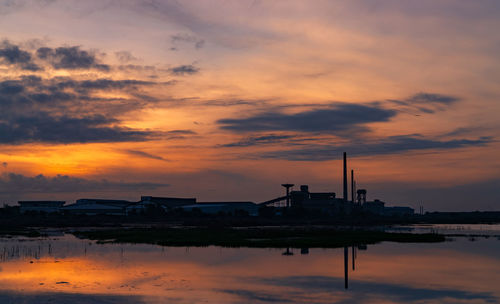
x,y
354,253
346,267
353,258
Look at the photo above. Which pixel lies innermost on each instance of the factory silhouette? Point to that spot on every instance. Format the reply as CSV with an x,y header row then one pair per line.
x,y
292,203
328,203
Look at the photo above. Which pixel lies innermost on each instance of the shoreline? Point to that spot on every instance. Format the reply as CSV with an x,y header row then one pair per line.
x,y
254,237
305,236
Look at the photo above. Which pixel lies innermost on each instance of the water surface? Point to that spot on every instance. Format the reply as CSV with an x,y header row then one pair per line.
x,y
65,269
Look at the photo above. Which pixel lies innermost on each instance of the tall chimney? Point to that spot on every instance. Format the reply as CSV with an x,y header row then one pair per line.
x,y
352,186
345,178
355,192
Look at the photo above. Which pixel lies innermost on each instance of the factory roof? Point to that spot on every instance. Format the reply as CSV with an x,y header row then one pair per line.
x,y
57,203
91,207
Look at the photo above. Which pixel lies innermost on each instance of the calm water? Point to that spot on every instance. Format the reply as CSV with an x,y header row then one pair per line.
x,y
68,270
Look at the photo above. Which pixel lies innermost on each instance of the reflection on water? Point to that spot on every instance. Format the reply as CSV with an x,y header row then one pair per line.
x,y
69,270
467,229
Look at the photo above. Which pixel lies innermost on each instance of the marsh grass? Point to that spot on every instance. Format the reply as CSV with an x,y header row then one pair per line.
x,y
255,237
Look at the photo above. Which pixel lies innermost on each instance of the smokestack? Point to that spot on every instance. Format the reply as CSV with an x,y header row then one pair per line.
x,y
345,178
355,192
352,186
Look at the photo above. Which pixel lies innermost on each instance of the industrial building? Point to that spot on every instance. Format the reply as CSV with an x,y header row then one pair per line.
x,y
324,202
122,207
398,211
328,203
316,202
40,206
374,207
378,207
230,208
93,206
165,203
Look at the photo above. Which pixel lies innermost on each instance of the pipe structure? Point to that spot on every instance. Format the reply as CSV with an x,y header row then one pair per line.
x,y
345,178
287,186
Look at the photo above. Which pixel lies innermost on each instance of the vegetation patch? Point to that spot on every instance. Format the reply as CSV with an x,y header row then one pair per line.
x,y
10,232
256,237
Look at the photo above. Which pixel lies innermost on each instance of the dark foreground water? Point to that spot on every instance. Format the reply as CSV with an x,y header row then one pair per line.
x,y
64,269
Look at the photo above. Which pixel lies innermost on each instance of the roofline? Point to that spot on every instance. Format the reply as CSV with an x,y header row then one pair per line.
x,y
230,202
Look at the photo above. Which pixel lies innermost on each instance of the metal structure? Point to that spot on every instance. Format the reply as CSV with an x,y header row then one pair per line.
x,y
273,201
361,196
287,186
355,187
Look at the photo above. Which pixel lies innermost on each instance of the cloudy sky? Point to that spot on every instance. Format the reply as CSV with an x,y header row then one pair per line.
x,y
226,100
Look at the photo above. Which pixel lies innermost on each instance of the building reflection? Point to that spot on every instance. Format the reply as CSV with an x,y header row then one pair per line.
x,y
29,252
354,250
40,267
36,250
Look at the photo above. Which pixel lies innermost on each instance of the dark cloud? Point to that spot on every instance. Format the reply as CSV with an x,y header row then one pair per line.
x,y
466,131
101,84
18,183
185,38
259,140
10,87
180,132
70,58
433,98
45,127
347,121
67,110
425,102
125,56
71,97
144,154
390,145
138,68
5,164
64,110
235,102
339,119
184,70
13,55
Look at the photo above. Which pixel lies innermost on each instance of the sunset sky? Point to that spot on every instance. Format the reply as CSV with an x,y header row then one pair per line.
x,y
226,100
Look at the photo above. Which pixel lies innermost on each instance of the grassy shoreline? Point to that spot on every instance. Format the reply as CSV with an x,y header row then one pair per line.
x,y
255,237
16,231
